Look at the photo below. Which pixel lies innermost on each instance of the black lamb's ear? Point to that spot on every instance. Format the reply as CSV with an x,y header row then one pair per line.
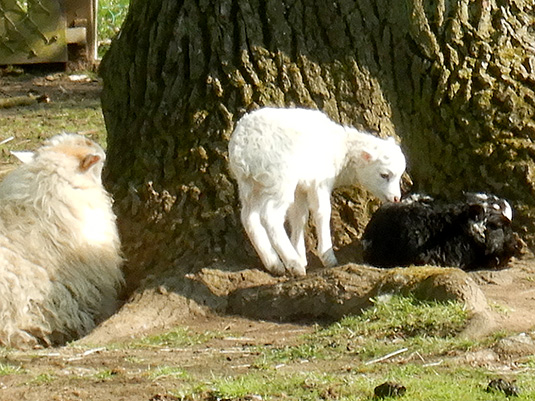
x,y
475,211
88,161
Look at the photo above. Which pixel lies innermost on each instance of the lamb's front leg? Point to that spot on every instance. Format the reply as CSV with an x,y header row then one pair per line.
x,y
320,203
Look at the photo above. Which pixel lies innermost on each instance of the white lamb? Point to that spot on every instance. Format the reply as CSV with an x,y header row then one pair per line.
x,y
287,161
59,247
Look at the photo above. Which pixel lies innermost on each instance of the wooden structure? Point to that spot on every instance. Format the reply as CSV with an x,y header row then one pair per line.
x,y
39,31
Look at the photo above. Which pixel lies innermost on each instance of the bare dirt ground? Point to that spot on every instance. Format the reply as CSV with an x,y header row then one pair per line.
x,y
129,373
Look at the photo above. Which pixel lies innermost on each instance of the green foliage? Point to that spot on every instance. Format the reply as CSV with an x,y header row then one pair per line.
x,y
111,14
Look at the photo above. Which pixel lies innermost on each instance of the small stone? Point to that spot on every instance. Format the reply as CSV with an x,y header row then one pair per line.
x,y
509,388
389,389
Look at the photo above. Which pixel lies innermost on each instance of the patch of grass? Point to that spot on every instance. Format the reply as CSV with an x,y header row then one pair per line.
x,y
54,118
427,329
105,374
295,353
30,126
43,379
178,337
529,363
159,372
451,383
8,369
299,386
403,317
395,322
136,360
422,384
111,14
500,308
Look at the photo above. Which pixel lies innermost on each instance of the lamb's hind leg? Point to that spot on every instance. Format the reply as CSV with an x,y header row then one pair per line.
x,y
273,217
320,204
250,218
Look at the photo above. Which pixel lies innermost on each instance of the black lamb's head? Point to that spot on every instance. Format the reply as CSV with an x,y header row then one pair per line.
x,y
491,230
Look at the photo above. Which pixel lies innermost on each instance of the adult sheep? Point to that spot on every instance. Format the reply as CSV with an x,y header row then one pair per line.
x,y
287,162
59,247
474,233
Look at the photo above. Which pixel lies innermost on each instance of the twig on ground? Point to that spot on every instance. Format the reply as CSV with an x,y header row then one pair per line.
x,y
387,356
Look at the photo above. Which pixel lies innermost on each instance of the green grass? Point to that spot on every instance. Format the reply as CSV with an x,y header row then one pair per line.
x,y
333,362
43,379
53,118
178,337
400,322
9,369
403,317
29,126
394,323
105,374
111,14
422,384
164,371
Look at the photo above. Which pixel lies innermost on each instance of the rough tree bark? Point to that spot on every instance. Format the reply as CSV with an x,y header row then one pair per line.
x,y
453,79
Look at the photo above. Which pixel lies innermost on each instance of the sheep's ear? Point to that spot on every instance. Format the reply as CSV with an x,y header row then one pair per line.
x,y
23,156
88,161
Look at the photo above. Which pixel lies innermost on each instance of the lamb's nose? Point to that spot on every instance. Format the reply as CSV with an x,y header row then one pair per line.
x,y
397,199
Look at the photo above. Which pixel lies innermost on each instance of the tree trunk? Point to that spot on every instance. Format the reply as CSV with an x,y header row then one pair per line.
x,y
454,80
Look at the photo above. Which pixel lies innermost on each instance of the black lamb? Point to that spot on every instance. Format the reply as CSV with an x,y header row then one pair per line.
x,y
472,234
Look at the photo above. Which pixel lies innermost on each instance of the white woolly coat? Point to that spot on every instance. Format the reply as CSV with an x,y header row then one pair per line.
x,y
59,247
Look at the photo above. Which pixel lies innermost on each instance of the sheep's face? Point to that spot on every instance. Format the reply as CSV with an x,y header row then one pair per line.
x,y
491,230
490,203
382,171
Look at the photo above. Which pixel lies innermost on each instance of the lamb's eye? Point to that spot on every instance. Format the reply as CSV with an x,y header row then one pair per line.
x,y
385,176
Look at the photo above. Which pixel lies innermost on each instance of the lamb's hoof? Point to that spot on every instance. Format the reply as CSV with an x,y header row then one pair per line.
x,y
328,259
277,269
296,270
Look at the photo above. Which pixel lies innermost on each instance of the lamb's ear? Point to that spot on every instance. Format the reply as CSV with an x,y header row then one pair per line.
x,y
23,156
88,161
476,211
